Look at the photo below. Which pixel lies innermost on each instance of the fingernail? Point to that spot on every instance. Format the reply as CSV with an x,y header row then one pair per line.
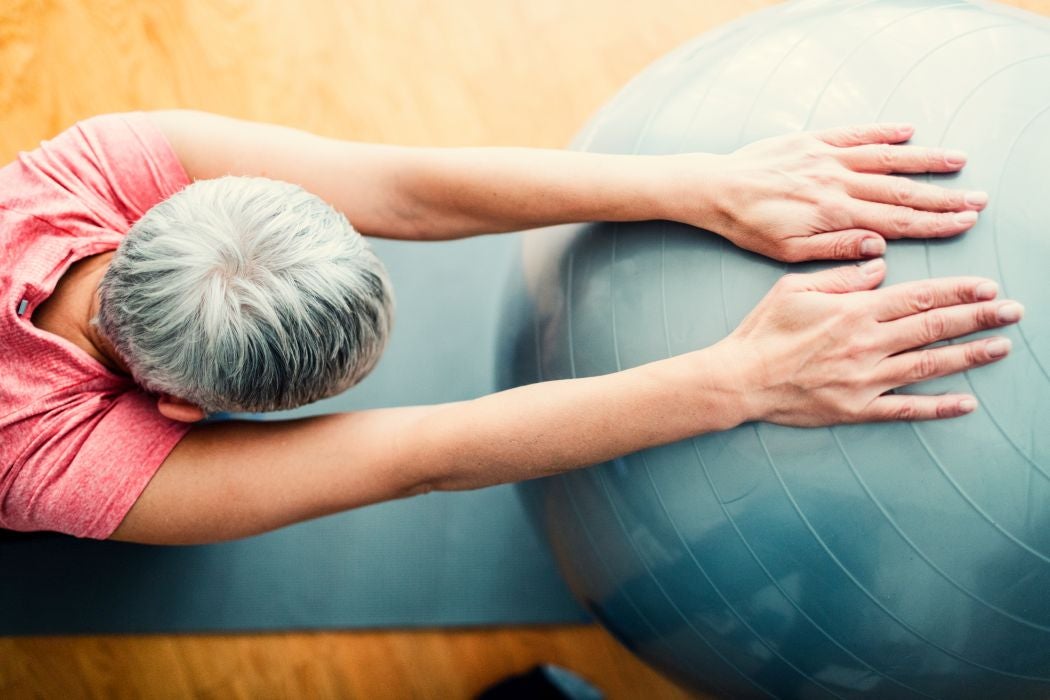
x,y
976,199
967,405
966,218
872,246
872,267
987,290
998,347
954,157
1010,312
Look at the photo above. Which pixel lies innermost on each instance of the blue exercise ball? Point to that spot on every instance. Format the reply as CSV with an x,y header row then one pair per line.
x,y
901,560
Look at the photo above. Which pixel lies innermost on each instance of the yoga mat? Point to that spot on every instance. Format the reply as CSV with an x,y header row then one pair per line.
x,y
443,559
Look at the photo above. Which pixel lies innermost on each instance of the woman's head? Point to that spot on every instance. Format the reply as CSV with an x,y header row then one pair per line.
x,y
245,294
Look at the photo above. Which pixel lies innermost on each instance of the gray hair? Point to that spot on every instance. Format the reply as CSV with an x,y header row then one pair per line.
x,y
245,294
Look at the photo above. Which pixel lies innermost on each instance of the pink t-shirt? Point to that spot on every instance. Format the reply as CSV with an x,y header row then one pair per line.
x,y
78,443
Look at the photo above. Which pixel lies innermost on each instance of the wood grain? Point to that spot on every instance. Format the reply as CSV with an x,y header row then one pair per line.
x,y
466,72
439,664
456,72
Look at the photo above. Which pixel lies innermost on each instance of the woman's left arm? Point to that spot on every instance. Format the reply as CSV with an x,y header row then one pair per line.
x,y
801,196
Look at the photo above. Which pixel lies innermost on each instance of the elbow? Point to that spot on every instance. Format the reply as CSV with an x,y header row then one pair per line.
x,y
421,489
392,228
404,222
426,448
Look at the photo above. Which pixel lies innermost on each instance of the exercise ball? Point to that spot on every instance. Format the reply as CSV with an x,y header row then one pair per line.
x,y
897,560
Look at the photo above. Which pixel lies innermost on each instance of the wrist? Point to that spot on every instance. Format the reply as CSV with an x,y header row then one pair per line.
x,y
641,188
694,190
715,388
742,375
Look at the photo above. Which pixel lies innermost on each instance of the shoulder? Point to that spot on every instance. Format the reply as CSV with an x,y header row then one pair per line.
x,y
109,168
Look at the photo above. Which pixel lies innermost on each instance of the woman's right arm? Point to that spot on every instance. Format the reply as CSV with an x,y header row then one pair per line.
x,y
819,349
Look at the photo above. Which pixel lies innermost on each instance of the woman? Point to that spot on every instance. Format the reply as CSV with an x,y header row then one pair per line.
x,y
145,288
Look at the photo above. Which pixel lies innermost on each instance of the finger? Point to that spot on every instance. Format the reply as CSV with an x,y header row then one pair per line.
x,y
839,280
836,245
907,407
936,325
921,365
884,158
894,221
916,195
909,298
860,134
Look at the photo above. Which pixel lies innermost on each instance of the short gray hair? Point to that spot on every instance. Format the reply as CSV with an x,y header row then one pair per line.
x,y
245,294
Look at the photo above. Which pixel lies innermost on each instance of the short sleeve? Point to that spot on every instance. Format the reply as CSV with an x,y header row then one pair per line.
x,y
114,167
77,444
91,468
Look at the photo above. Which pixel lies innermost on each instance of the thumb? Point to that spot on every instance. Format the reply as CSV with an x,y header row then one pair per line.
x,y
848,278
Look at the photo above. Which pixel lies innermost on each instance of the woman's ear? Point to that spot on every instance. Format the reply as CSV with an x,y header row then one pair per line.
x,y
177,409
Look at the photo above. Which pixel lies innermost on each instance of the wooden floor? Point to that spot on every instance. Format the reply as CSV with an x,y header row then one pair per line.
x,y
438,72
440,664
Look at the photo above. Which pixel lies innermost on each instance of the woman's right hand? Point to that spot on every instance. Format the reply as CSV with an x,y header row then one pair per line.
x,y
826,347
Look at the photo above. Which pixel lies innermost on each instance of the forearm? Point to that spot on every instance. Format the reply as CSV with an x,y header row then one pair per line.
x,y
450,193
544,429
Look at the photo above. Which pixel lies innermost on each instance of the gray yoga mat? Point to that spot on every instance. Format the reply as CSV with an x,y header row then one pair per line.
x,y
444,559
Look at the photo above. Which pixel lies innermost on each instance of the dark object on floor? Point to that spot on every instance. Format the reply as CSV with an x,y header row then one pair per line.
x,y
545,682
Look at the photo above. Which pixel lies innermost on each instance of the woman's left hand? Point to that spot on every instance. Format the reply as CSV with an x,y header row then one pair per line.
x,y
828,195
